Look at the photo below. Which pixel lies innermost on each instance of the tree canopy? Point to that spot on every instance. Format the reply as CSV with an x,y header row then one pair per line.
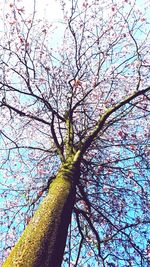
x,y
79,85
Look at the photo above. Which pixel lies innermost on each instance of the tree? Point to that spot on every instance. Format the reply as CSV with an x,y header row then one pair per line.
x,y
74,136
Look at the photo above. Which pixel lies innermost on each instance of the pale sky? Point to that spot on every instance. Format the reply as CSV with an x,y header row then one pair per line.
x,y
47,8
51,8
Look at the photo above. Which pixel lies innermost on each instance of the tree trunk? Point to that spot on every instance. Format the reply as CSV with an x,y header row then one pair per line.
x,y
43,241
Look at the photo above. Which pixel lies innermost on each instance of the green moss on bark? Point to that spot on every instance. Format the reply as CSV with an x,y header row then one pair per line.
x,y
43,241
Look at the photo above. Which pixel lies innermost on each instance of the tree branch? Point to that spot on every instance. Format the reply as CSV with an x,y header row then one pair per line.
x,y
106,115
22,113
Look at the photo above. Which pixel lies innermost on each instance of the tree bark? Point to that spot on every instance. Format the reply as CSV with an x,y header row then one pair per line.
x,y
43,241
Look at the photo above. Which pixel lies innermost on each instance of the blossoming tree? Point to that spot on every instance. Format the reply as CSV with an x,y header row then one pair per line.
x,y
74,135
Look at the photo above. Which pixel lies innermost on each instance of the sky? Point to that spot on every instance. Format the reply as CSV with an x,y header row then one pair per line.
x,y
44,8
50,9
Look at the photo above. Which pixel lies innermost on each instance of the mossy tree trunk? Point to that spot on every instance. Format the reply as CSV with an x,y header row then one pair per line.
x,y
43,241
